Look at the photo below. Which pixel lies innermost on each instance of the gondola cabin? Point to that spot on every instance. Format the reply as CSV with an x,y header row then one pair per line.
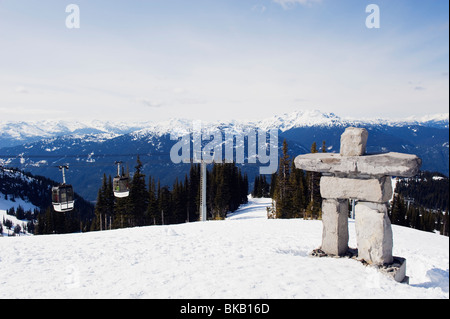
x,y
62,198
121,187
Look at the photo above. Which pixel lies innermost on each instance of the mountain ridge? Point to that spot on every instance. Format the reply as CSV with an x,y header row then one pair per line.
x,y
21,132
91,154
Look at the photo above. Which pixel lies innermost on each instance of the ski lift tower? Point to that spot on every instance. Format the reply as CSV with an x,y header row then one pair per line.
x,y
203,215
198,157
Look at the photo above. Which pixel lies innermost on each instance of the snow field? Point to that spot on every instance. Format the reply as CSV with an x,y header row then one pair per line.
x,y
246,256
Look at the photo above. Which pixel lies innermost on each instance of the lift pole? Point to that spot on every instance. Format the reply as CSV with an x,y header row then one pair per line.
x,y
203,215
118,168
62,168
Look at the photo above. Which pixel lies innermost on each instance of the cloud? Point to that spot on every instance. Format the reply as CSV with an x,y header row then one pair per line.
x,y
149,103
29,111
286,4
179,91
259,8
21,90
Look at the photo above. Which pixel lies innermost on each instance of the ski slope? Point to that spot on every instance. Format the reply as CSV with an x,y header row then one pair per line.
x,y
245,256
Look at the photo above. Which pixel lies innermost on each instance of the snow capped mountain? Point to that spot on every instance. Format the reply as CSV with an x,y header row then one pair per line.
x,y
16,133
92,148
301,119
177,127
430,120
311,118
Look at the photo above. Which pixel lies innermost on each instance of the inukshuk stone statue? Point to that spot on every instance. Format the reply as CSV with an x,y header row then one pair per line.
x,y
366,178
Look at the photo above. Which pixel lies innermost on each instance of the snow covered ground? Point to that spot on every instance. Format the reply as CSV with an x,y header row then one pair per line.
x,y
245,256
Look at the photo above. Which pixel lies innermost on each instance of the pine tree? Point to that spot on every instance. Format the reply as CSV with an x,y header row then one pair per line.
x,y
428,220
101,206
261,187
281,194
164,204
109,201
273,185
413,217
178,213
398,211
324,147
152,214
298,199
244,189
445,225
313,180
138,198
194,192
256,187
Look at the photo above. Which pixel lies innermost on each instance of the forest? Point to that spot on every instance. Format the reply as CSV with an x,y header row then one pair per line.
x,y
153,204
421,202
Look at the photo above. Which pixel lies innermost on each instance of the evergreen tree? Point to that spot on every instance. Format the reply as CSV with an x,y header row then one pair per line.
x,y
164,204
109,203
324,147
194,192
101,206
445,225
273,185
244,189
256,187
138,198
313,208
152,209
281,193
298,200
428,220
414,217
398,211
261,187
121,216
178,213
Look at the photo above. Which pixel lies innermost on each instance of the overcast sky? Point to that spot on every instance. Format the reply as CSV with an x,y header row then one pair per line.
x,y
222,59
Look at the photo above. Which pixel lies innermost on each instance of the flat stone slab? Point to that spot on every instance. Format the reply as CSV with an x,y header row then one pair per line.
x,y
389,164
396,270
368,190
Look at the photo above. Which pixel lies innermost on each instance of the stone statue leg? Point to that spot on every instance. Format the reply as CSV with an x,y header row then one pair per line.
x,y
373,233
335,227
